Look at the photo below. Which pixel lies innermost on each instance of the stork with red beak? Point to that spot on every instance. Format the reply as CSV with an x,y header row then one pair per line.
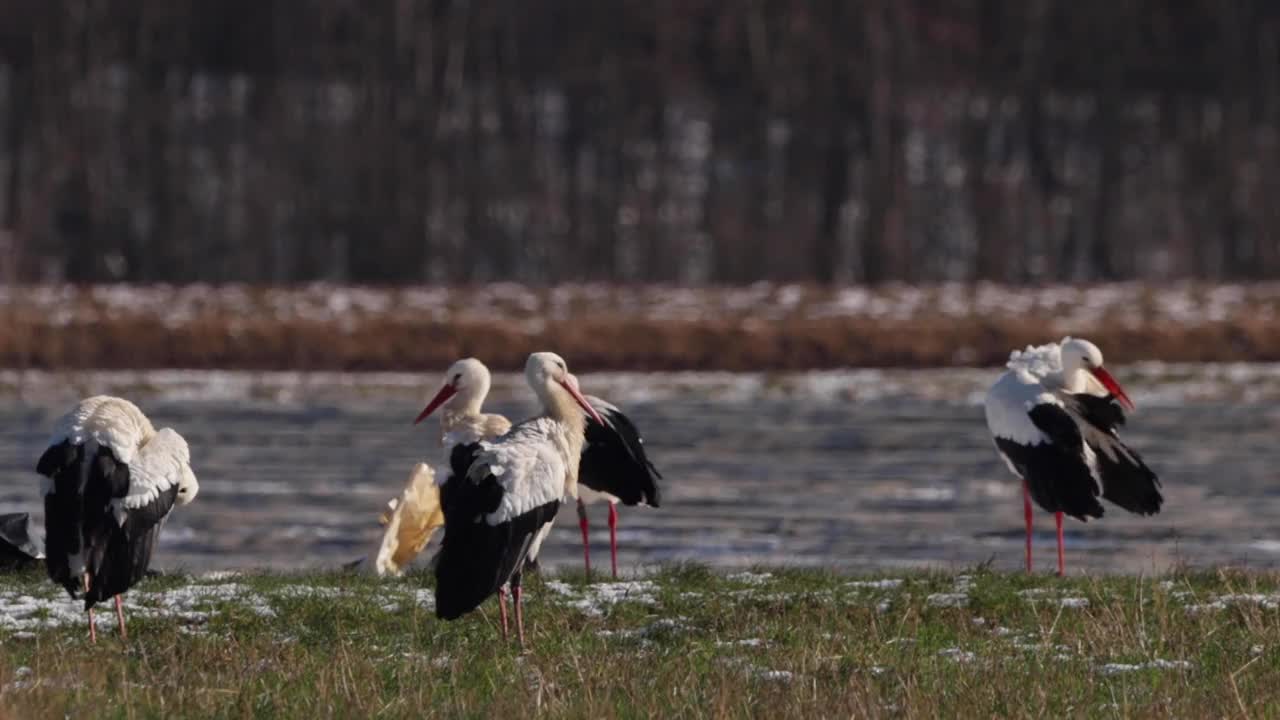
x,y
1055,416
505,494
466,385
413,517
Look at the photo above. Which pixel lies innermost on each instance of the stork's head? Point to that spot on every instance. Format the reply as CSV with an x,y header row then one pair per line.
x,y
188,486
549,377
1083,356
466,384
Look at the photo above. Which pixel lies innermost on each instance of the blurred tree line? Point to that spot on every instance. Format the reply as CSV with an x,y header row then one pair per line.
x,y
394,141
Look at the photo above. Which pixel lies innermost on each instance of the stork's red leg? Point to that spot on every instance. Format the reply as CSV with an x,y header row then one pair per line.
x,y
93,631
586,542
1062,565
519,615
502,606
120,617
613,538
1026,513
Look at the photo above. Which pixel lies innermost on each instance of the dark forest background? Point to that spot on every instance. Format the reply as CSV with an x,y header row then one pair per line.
x,y
391,141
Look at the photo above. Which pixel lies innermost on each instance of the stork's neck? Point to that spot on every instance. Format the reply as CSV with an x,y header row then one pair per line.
x,y
1074,380
457,426
451,418
561,407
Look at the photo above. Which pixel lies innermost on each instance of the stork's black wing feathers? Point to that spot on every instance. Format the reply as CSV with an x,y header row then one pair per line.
x,y
1126,479
127,549
1103,413
465,499
476,558
614,460
17,548
1056,472
79,521
62,510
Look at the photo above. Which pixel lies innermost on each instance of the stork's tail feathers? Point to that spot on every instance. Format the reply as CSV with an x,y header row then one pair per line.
x,y
1132,486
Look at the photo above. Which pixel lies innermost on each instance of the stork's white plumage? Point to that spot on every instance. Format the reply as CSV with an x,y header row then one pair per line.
x,y
110,482
506,493
413,517
614,466
1054,416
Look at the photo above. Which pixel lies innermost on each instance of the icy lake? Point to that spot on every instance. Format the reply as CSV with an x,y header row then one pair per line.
x,y
852,469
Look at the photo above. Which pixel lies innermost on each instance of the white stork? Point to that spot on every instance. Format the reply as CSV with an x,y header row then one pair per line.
x,y
614,469
110,480
506,493
614,466
413,518
1054,415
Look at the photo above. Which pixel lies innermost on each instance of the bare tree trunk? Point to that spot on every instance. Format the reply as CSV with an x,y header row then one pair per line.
x,y
881,125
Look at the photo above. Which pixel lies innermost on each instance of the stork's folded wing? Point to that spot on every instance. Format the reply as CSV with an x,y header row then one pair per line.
x,y
410,521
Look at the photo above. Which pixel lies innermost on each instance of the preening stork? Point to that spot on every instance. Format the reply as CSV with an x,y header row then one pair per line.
x,y
505,494
413,518
110,481
1055,416
614,469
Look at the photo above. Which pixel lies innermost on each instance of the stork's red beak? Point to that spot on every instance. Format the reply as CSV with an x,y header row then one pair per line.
x,y
445,393
573,390
1113,387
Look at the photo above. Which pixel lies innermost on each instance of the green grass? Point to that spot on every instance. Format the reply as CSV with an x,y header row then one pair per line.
x,y
687,642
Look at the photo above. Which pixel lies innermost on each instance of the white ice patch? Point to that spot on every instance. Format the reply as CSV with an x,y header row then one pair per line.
x,y
886,584
948,600
593,599
1157,664
1034,595
196,602
780,676
657,627
750,578
24,613
1222,602
308,592
958,655
747,642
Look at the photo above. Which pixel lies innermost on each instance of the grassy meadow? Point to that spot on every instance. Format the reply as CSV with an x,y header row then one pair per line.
x,y
683,642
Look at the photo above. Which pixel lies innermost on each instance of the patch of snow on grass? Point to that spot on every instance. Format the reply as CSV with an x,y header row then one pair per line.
x,y
782,676
948,600
886,584
1074,602
750,578
425,599
747,642
194,602
1222,602
307,592
593,599
958,655
1157,664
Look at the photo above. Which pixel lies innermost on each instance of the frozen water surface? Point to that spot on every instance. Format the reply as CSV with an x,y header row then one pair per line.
x,y
852,469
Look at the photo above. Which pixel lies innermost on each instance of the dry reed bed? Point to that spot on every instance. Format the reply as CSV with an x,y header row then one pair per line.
x,y
763,326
